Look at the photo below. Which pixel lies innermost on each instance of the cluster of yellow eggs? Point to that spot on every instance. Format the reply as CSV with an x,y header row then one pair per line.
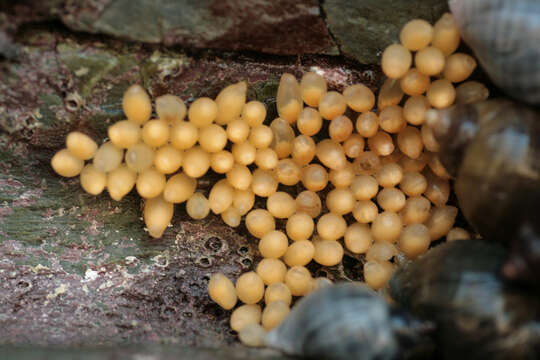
x,y
385,190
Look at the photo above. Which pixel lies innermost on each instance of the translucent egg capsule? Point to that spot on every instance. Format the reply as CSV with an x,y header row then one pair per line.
x,y
410,143
437,167
358,238
416,34
238,130
244,153
221,161
167,159
413,184
231,217
381,251
198,206
139,157
354,146
416,210
179,188
120,181
212,138
359,97
328,252
446,35
414,240
441,221
273,245
331,226
414,82
65,164
367,124
249,288
170,108
470,92
396,61
313,87
281,205
332,104
245,315
150,183
364,187
340,201
93,181
381,144
158,214
278,292
314,177
230,102
252,335
283,135
441,94
254,113
415,108
309,121
367,163
391,119
184,135
202,112
271,271
108,157
365,211
390,93
289,98
274,313
391,199
288,172
389,175
155,133
459,67
196,162
343,177
299,253
303,149
457,233
377,273
136,104
331,154
438,189
429,61
260,222
309,202
266,159
222,291
239,177
299,226
243,200
386,227
341,127
299,281
81,145
428,138
221,196
261,136
264,183
124,134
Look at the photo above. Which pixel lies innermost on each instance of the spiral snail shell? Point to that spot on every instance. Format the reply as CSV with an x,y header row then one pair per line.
x,y
493,150
504,37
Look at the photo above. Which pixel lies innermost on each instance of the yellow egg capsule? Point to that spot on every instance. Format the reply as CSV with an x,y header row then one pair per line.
x,y
289,98
240,177
416,210
288,172
365,211
283,135
250,288
446,35
364,187
438,189
343,177
414,240
470,92
120,181
230,102
264,183
222,291
386,227
354,146
254,113
273,245
358,238
222,161
196,162
243,200
416,34
441,94
245,315
313,87
309,122
261,136
331,154
281,205
271,271
179,188
158,214
332,105
231,217
328,252
390,93
212,138
459,67
65,164
300,226
244,153
299,253
221,196
309,202
136,104
367,124
341,127
367,163
266,159
170,108
381,144
278,292
389,175
414,82
202,112
299,280
458,233
340,201
377,274
303,149
124,134
391,119
108,157
167,159
155,133
81,145
238,130
381,251
274,313
331,226
184,135
441,221
413,184
429,61
198,206
150,183
396,61
139,157
314,177
252,335
415,109
410,142
359,97
260,222
93,181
